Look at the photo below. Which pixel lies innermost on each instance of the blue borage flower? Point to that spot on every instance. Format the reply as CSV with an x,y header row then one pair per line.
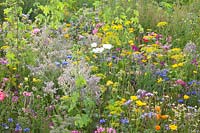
x,y
69,56
180,101
26,129
163,74
102,121
64,63
18,127
124,121
10,120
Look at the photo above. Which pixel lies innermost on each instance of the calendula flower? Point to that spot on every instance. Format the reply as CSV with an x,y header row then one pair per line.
x,y
157,127
186,97
157,109
173,127
164,117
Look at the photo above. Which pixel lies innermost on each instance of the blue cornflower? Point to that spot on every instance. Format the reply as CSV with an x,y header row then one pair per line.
x,y
10,120
18,127
180,101
69,56
124,121
102,121
113,56
26,129
64,63
57,63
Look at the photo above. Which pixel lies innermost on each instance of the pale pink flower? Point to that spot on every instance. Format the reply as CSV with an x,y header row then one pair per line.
x,y
35,31
27,94
94,31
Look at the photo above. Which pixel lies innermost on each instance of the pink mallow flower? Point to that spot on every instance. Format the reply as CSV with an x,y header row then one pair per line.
x,y
94,31
27,94
180,82
2,96
36,31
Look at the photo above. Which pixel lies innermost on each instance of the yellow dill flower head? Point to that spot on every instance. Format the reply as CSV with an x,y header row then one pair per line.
x,y
186,97
162,24
140,103
173,127
133,98
109,83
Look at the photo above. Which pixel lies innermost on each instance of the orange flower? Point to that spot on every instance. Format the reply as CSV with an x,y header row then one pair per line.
x,y
157,127
158,116
164,117
157,109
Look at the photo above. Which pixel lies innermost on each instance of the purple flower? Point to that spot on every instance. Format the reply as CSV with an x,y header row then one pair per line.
x,y
15,99
10,120
102,121
36,31
124,121
135,48
180,101
26,129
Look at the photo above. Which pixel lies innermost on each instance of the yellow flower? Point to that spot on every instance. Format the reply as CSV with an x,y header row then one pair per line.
x,y
68,25
25,79
195,72
110,64
109,82
173,127
101,75
131,30
140,103
66,35
64,97
14,68
159,80
5,47
161,24
36,80
186,97
133,98
94,68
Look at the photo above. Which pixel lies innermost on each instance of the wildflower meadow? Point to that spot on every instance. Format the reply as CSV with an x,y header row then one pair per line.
x,y
99,66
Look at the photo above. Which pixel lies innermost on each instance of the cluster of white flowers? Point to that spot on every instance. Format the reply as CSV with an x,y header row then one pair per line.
x,y
101,49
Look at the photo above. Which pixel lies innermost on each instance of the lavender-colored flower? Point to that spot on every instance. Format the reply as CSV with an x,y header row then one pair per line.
x,y
10,120
102,121
18,127
128,102
3,61
180,101
26,129
15,99
124,121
